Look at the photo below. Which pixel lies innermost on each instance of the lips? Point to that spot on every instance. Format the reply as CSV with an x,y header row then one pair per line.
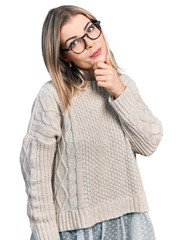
x,y
96,52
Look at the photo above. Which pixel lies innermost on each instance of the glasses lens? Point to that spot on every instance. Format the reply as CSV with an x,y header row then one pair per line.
x,y
93,32
78,45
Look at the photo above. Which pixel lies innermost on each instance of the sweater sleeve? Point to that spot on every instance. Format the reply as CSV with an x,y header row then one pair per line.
x,y
37,161
141,127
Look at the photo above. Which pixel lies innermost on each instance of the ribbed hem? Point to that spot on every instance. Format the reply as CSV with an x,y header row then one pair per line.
x,y
125,103
45,230
84,218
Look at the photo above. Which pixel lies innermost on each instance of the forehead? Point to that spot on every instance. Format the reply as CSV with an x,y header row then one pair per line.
x,y
73,27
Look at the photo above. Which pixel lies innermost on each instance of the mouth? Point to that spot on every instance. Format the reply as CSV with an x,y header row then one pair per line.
x,y
96,53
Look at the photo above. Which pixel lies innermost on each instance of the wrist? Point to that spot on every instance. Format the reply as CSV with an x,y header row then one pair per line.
x,y
122,90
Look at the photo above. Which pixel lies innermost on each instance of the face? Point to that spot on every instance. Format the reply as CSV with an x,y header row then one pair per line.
x,y
75,27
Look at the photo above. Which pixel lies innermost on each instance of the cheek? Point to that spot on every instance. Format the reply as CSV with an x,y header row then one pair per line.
x,y
76,58
104,46
102,40
80,61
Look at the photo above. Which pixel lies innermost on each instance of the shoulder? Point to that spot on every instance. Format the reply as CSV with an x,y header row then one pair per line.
x,y
48,88
48,95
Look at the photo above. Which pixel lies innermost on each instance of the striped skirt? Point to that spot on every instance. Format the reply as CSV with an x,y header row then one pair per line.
x,y
130,226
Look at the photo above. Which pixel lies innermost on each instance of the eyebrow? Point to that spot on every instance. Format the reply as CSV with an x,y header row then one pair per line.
x,y
76,36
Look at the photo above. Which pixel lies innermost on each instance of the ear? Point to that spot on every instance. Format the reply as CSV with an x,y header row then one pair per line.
x,y
64,57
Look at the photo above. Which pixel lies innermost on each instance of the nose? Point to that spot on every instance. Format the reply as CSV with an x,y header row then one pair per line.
x,y
89,42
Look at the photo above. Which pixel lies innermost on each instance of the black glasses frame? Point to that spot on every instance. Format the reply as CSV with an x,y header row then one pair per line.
x,y
97,23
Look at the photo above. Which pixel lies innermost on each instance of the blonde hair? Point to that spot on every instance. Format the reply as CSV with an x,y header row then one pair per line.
x,y
67,81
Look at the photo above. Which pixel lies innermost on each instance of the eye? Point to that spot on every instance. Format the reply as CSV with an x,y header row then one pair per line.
x,y
92,27
73,44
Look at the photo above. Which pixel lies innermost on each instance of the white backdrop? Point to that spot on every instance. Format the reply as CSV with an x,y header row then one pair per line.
x,y
146,38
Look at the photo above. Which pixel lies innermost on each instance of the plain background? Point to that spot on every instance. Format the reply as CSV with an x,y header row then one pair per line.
x,y
146,38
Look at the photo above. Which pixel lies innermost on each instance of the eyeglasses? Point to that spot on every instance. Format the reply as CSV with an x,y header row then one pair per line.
x,y
79,45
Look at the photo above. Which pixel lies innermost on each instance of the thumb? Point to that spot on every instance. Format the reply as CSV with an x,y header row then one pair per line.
x,y
107,60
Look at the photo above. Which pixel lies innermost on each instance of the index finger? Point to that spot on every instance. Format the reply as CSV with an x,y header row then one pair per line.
x,y
99,65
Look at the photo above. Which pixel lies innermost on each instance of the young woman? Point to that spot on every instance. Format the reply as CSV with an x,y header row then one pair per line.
x,y
87,124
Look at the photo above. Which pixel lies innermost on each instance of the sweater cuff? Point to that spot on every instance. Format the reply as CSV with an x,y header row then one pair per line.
x,y
125,103
45,230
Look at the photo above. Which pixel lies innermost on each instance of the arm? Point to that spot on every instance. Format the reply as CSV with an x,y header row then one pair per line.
x,y
36,159
140,126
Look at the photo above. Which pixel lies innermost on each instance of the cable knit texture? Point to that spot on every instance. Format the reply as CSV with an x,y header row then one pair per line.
x,y
80,167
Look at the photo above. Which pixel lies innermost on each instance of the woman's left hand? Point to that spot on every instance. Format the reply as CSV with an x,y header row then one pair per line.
x,y
108,78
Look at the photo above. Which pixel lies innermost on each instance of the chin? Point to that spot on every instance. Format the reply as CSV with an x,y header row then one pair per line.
x,y
101,58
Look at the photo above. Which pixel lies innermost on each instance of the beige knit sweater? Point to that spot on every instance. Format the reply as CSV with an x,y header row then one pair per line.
x,y
80,167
